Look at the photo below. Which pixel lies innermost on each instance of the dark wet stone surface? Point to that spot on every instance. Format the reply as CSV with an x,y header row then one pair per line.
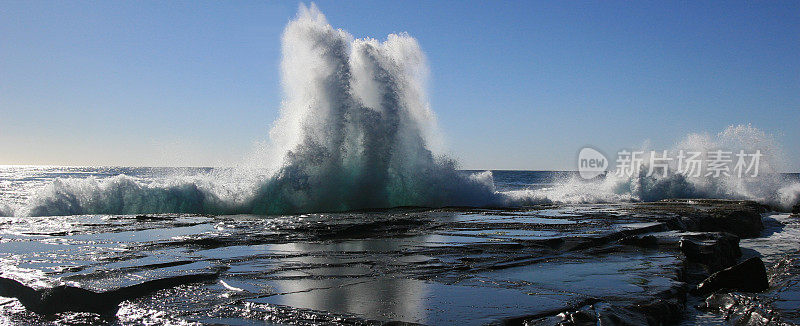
x,y
741,218
542,264
62,298
778,305
748,276
714,250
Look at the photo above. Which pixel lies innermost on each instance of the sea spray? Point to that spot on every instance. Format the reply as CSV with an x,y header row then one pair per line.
x,y
353,133
354,123
6,210
769,187
120,195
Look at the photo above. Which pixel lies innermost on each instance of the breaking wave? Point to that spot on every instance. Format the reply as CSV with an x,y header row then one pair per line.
x,y
353,133
769,187
355,127
6,210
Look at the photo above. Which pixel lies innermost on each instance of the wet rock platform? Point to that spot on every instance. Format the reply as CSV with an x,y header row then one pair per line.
x,y
617,264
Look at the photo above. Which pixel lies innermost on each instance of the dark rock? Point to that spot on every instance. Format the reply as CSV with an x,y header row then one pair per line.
x,y
146,217
748,276
68,298
745,223
658,312
14,289
647,241
580,318
662,311
714,250
663,308
742,309
739,217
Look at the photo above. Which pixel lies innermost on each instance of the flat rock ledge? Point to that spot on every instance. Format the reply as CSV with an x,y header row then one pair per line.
x,y
707,232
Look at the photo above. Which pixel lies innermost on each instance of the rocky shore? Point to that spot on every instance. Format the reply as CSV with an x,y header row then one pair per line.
x,y
658,263
707,232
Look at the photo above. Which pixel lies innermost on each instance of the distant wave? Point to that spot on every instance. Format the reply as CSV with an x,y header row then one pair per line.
x,y
122,195
6,210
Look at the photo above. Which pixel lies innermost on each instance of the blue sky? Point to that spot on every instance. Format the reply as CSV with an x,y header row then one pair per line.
x,y
515,85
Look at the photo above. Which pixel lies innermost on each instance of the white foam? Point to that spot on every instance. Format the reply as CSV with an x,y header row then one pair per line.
x,y
6,210
353,132
768,187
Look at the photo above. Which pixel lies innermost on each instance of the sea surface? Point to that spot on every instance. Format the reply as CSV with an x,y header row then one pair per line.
x,y
19,183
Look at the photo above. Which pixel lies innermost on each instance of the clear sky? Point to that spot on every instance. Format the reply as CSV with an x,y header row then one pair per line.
x,y
515,85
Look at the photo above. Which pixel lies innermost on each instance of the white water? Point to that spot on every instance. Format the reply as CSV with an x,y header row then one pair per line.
x,y
353,133
355,126
6,210
768,187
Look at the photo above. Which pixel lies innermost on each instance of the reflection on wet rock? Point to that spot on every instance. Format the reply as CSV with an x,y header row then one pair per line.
x,y
539,265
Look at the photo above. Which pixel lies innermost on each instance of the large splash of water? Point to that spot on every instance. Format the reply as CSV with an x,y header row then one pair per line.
x,y
355,125
353,133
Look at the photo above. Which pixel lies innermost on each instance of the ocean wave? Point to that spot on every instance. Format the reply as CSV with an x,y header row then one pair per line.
x,y
6,210
769,187
354,132
283,194
355,127
119,195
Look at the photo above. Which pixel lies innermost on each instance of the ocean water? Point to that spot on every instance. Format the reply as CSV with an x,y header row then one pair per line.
x,y
74,190
21,185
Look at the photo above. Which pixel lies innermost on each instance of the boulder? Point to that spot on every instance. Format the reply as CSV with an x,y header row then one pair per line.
x,y
748,276
715,250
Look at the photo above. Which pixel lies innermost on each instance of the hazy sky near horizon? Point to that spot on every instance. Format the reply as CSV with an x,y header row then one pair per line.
x,y
515,85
